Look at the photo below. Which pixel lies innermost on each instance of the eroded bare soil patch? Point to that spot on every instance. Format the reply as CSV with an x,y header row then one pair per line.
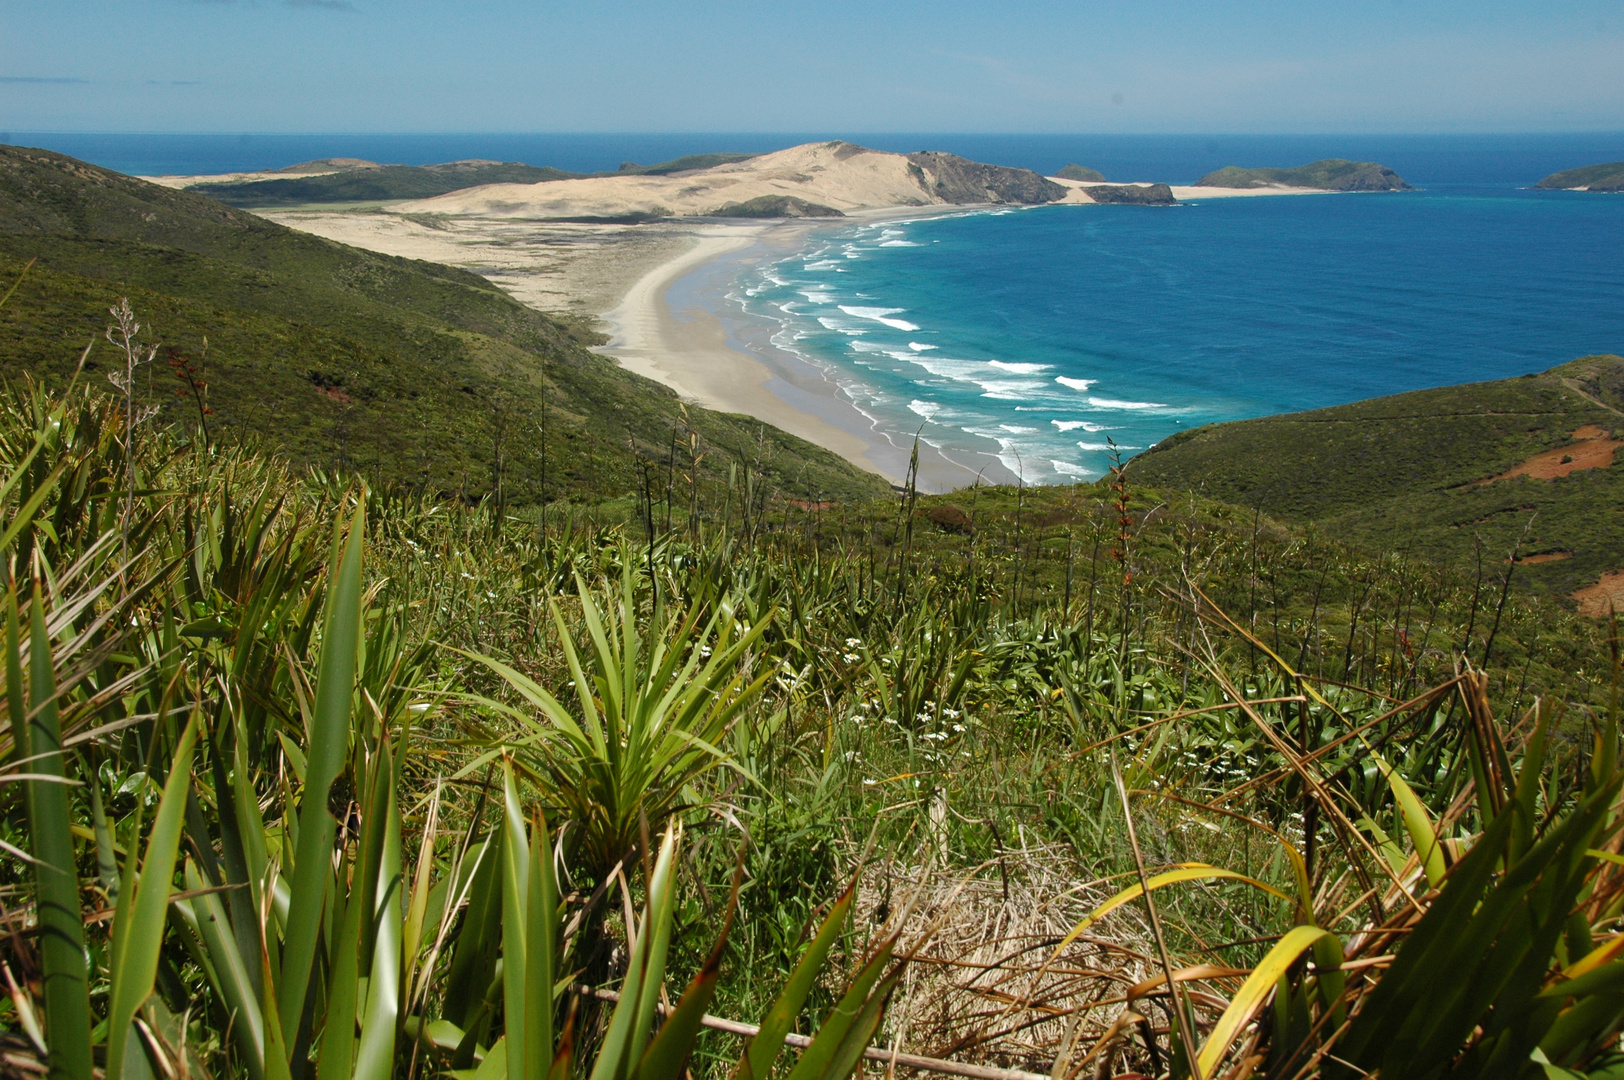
x,y
1603,598
1594,449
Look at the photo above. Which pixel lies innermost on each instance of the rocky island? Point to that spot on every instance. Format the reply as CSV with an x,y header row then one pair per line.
x,y
1332,174
1609,177
1079,172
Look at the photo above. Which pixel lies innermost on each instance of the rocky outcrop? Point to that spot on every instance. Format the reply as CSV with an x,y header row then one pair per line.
x,y
1134,194
1079,172
776,206
1332,174
1609,177
951,179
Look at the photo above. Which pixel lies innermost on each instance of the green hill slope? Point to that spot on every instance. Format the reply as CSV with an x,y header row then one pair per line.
x,y
377,183
412,372
1332,174
1427,471
682,164
1609,177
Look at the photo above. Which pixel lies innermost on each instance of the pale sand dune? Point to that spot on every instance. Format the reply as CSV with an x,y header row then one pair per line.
x,y
838,175
578,269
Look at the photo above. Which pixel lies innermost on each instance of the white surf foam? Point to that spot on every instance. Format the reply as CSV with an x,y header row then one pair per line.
x,y
1066,468
927,409
1019,368
841,327
1075,384
917,347
880,315
1073,425
1113,403
1014,429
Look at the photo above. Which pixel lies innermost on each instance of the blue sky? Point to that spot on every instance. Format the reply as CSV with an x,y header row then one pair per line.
x,y
950,65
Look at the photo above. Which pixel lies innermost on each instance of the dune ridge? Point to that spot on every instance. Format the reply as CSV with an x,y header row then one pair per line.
x,y
838,175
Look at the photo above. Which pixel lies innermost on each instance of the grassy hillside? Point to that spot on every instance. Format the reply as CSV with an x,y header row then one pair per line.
x,y
442,751
1418,471
1609,177
378,183
412,372
1332,174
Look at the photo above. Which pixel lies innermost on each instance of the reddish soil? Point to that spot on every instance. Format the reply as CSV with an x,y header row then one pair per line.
x,y
1543,557
1593,449
1604,597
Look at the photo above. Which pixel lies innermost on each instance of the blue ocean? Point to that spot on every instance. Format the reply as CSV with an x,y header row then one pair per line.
x,y
1051,337
1048,338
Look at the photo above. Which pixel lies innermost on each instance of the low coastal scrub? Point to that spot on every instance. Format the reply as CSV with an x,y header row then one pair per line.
x,y
1516,475
307,778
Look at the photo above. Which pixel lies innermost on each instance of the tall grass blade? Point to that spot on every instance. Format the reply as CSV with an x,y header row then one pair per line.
x,y
1416,822
62,943
1254,992
764,1047
374,1059
136,942
329,743
515,893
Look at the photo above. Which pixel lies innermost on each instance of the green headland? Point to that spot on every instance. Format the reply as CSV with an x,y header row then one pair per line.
x,y
1609,177
1332,174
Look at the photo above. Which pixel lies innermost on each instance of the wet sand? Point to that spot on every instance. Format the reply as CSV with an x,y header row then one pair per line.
x,y
676,326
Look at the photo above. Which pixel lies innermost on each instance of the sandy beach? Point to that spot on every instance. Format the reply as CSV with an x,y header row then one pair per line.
x,y
675,326
660,289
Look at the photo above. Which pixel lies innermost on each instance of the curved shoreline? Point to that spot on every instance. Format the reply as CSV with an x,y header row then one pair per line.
x,y
675,326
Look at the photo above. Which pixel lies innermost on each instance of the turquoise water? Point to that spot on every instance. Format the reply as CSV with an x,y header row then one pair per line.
x,y
1039,337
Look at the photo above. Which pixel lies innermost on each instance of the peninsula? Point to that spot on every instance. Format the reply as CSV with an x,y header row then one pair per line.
x,y
1609,177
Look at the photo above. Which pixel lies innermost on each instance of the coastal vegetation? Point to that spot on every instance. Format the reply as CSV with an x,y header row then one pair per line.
x,y
369,183
776,206
416,374
352,182
314,779
687,163
684,751
1609,177
1332,174
1514,476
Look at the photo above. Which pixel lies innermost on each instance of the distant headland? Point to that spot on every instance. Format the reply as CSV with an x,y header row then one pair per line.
x,y
816,180
1332,174
1609,177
